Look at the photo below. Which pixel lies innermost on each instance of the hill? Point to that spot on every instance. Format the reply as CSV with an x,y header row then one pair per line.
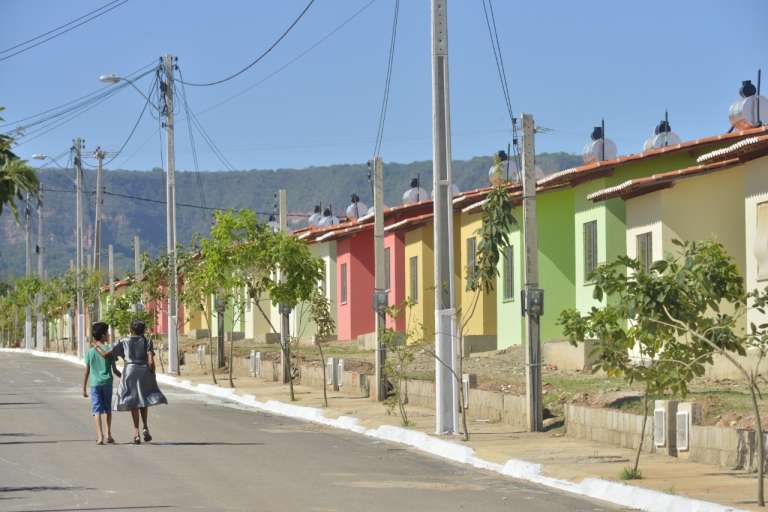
x,y
125,216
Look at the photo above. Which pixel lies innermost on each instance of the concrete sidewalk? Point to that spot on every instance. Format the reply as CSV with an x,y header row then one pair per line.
x,y
560,457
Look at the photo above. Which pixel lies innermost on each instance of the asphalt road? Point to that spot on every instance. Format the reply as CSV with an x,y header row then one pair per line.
x,y
210,455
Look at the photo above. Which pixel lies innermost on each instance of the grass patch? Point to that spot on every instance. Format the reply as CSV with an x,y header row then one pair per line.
x,y
631,474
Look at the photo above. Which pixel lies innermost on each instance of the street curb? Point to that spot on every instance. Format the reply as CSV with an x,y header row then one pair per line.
x,y
597,488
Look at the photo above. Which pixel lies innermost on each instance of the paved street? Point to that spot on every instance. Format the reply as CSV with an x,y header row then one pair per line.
x,y
209,455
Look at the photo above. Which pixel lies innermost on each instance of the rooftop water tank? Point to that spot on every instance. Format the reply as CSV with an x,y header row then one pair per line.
x,y
599,148
356,208
662,136
328,219
751,110
273,224
315,217
454,189
415,193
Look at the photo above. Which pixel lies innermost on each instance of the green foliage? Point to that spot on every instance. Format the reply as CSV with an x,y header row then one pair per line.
x,y
16,177
630,473
119,312
402,349
498,222
690,287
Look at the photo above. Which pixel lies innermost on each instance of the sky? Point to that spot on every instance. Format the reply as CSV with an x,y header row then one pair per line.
x,y
568,63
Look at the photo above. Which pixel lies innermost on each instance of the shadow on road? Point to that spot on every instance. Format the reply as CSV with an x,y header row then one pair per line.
x,y
6,443
144,507
38,488
203,443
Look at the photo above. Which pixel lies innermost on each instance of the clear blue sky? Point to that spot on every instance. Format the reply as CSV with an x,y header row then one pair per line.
x,y
569,63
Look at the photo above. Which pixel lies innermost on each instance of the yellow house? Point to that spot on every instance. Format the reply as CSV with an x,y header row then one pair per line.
x,y
420,278
477,315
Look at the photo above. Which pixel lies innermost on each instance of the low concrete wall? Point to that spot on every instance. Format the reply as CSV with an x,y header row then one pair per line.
x,y
565,356
608,426
714,445
474,343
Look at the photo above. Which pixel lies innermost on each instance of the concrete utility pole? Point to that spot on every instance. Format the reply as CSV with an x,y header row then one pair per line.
x,y
380,294
137,258
447,391
80,326
28,341
170,195
285,312
39,329
99,154
533,298
111,277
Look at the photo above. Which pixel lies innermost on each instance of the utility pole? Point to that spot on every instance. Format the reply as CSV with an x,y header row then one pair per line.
x,y
39,331
533,298
170,196
28,343
137,258
285,311
447,392
380,294
80,329
99,154
111,277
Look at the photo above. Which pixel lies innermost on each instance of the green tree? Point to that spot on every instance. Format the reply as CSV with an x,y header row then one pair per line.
x,y
690,287
16,177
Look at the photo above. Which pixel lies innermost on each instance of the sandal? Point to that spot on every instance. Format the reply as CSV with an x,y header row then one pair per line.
x,y
99,441
110,440
136,440
147,437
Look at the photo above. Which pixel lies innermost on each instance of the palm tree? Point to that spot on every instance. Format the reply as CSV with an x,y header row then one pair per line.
x,y
16,177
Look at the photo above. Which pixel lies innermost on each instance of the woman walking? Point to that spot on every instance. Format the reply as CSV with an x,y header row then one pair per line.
x,y
138,386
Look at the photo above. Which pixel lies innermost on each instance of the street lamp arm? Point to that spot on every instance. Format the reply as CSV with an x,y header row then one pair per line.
x,y
113,79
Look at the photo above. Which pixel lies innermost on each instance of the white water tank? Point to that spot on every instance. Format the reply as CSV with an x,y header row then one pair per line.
x,y
744,113
415,193
662,136
356,208
315,217
599,148
273,224
328,219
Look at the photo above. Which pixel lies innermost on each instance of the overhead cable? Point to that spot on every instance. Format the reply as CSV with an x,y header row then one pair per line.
x,y
60,30
257,59
387,83
294,59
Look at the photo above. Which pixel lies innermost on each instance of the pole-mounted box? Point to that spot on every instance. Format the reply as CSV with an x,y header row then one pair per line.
x,y
532,301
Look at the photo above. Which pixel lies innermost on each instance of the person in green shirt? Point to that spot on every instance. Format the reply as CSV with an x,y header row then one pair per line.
x,y
98,375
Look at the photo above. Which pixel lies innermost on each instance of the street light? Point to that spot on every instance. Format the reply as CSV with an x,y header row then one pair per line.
x,y
167,90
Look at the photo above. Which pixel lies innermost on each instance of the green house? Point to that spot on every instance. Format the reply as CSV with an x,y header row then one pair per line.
x,y
575,234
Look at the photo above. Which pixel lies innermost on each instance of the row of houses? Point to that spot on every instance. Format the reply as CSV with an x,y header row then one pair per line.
x,y
710,188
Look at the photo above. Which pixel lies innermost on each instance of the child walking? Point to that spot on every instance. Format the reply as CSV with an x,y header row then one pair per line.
x,y
98,374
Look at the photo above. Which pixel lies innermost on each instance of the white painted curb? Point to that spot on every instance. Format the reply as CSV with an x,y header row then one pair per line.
x,y
597,488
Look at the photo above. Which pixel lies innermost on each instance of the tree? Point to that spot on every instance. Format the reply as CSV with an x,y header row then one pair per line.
x,y
654,312
320,311
16,177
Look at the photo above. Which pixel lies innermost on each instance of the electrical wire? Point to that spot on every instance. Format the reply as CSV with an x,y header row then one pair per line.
x,y
83,97
257,59
136,124
387,83
198,177
293,60
111,6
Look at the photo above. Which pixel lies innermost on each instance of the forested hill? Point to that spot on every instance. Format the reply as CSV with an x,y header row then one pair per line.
x,y
255,189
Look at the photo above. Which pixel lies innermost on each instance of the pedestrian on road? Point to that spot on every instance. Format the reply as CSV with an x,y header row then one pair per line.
x,y
98,374
138,386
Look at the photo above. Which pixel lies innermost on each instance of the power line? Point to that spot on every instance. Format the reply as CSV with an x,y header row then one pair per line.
x,y
257,59
387,83
69,27
79,98
191,134
136,124
294,59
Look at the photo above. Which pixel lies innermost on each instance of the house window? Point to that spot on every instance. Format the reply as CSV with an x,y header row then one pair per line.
x,y
387,275
471,257
509,273
343,283
761,241
413,263
645,250
590,249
